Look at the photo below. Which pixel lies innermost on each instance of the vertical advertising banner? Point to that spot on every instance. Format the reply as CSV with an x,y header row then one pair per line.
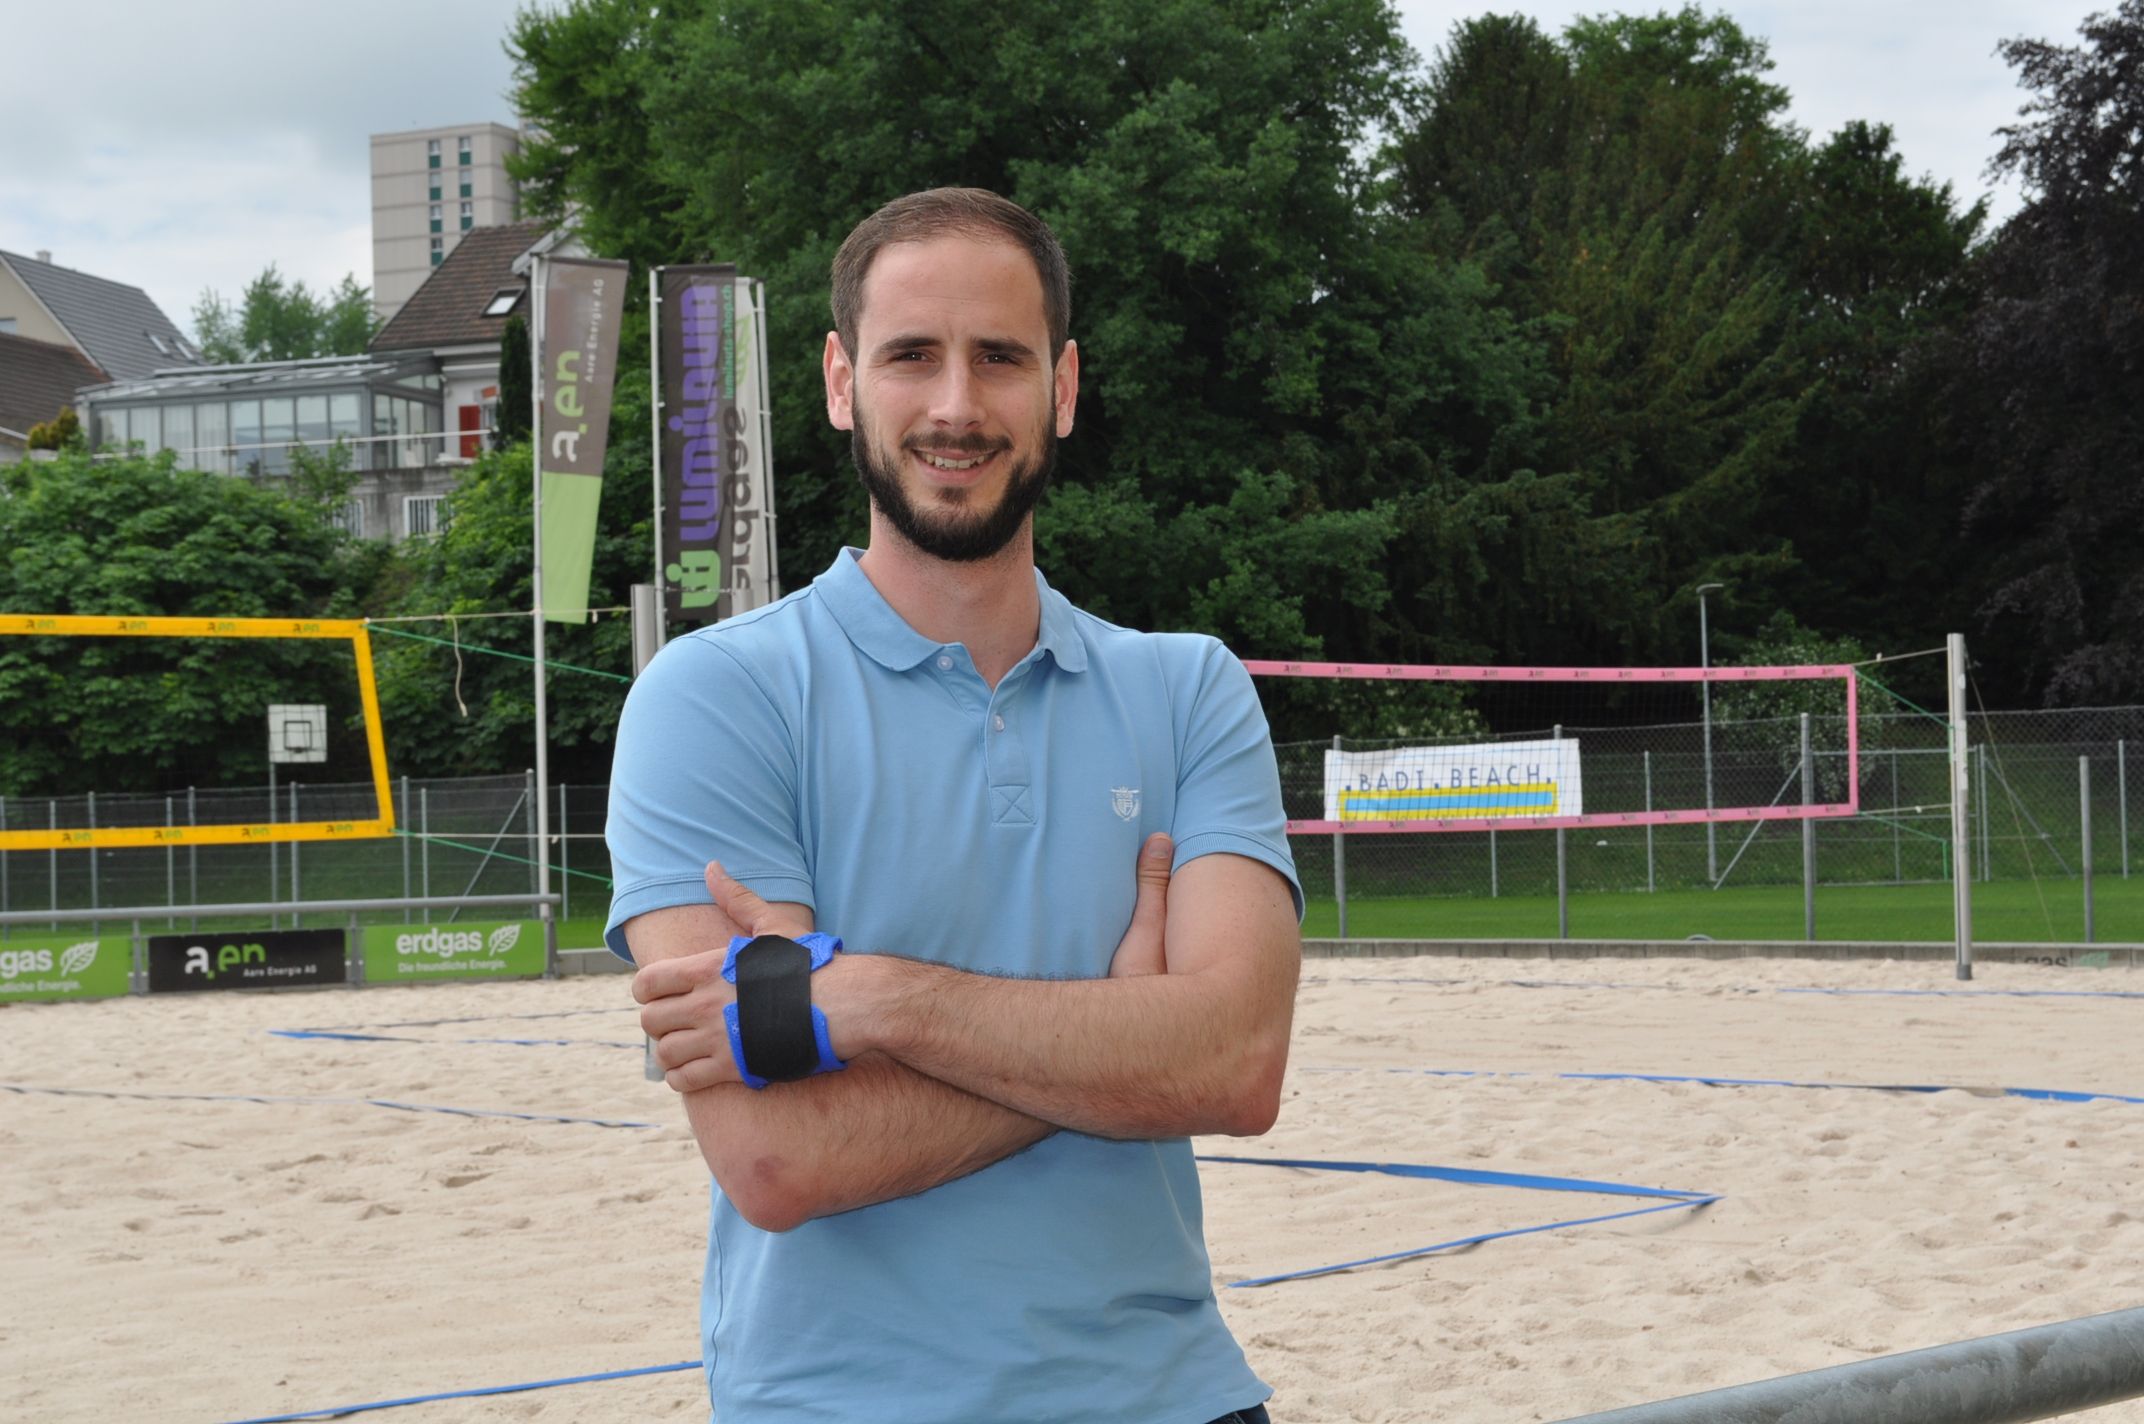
x,y
718,541
79,966
576,354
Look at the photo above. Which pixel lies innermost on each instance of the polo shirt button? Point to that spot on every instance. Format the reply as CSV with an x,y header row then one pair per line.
x,y
945,664
998,722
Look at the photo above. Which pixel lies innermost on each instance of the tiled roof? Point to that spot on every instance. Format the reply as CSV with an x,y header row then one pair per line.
x,y
113,322
37,378
448,310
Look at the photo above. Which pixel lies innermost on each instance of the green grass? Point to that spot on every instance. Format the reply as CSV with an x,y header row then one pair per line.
x,y
2003,910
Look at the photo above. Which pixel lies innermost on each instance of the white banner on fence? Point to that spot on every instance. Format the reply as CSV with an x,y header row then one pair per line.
x,y
1498,779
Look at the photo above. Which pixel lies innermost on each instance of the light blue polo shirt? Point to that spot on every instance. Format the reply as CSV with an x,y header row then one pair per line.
x,y
827,753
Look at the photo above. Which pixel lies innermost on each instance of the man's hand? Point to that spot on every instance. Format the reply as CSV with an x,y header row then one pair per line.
x,y
682,999
1140,951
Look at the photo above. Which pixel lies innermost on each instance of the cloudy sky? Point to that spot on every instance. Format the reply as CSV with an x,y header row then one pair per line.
x,y
184,147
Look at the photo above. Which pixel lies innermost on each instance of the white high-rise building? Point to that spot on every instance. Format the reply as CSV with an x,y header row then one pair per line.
x,y
429,186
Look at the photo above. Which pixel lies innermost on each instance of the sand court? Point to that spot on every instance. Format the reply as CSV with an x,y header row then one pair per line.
x,y
198,1258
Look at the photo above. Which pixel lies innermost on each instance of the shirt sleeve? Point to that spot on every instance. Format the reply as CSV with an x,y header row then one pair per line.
x,y
705,768
1228,788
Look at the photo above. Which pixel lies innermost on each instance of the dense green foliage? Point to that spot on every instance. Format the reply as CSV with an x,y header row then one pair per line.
x,y
516,407
136,535
277,320
1496,356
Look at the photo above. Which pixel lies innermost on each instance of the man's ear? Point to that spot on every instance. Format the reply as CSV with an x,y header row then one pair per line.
x,y
1065,396
840,384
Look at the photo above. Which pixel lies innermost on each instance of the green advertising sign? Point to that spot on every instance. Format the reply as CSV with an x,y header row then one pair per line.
x,y
409,954
64,966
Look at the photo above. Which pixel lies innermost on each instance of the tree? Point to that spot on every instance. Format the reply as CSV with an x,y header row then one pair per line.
x,y
516,409
2040,380
56,433
277,320
137,535
1277,388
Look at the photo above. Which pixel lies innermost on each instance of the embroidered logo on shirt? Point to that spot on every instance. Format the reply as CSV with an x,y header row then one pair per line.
x,y
1124,800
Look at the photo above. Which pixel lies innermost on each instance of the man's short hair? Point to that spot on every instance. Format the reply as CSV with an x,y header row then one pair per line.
x,y
969,211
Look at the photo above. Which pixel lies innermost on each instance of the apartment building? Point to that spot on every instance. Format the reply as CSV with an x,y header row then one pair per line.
x,y
429,186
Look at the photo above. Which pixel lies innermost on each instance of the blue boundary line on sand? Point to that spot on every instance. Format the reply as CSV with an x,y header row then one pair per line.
x,y
339,1410
2045,1095
1732,989
1677,1200
275,1099
341,1036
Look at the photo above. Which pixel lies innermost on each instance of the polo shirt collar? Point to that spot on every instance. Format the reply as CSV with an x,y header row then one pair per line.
x,y
873,626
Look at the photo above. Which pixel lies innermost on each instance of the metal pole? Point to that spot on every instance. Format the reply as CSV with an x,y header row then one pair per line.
x,y
1998,1379
647,604
2121,795
1704,660
424,844
2084,837
93,852
171,870
52,857
1492,865
1563,879
402,826
544,909
1808,837
275,864
528,788
193,863
1648,825
655,418
1961,807
1898,854
296,922
1340,866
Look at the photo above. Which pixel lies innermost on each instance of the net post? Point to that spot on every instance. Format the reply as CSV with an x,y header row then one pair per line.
x,y
1340,866
1961,844
1808,837
2084,837
1563,879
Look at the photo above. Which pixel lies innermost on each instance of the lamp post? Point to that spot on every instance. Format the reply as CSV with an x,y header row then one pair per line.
x,y
1704,659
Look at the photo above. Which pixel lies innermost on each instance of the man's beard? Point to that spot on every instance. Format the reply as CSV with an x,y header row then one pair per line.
x,y
952,532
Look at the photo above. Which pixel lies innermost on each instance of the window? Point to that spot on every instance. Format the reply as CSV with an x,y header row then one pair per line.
x,y
466,187
179,435
279,426
503,301
158,343
435,217
7,325
462,144
431,153
433,192
349,517
313,423
439,250
421,515
212,434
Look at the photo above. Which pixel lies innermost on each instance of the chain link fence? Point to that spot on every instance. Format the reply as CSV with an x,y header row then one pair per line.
x,y
477,835
458,836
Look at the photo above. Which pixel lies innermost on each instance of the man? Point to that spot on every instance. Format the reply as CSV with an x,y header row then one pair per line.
x,y
992,1212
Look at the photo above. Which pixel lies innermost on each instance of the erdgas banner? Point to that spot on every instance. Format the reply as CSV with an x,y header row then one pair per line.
x,y
77,966
579,302
1490,781
715,492
452,951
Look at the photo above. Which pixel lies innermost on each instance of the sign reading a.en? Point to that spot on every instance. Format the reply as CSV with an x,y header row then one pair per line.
x,y
413,953
245,959
46,967
1489,781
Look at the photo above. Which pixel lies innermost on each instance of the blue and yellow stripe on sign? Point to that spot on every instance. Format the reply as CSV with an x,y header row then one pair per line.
x,y
1437,803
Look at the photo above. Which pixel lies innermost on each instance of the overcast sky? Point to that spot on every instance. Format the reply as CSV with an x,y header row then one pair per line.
x,y
182,147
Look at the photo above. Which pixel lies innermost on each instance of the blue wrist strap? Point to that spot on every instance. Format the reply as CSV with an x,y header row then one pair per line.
x,y
823,948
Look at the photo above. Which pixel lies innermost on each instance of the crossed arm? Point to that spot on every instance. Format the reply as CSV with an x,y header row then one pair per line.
x,y
950,1072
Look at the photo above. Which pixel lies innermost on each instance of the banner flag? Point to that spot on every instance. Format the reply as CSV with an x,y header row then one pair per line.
x,y
716,494
576,359
1504,780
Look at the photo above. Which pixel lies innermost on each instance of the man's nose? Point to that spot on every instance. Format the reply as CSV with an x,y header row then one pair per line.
x,y
955,398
